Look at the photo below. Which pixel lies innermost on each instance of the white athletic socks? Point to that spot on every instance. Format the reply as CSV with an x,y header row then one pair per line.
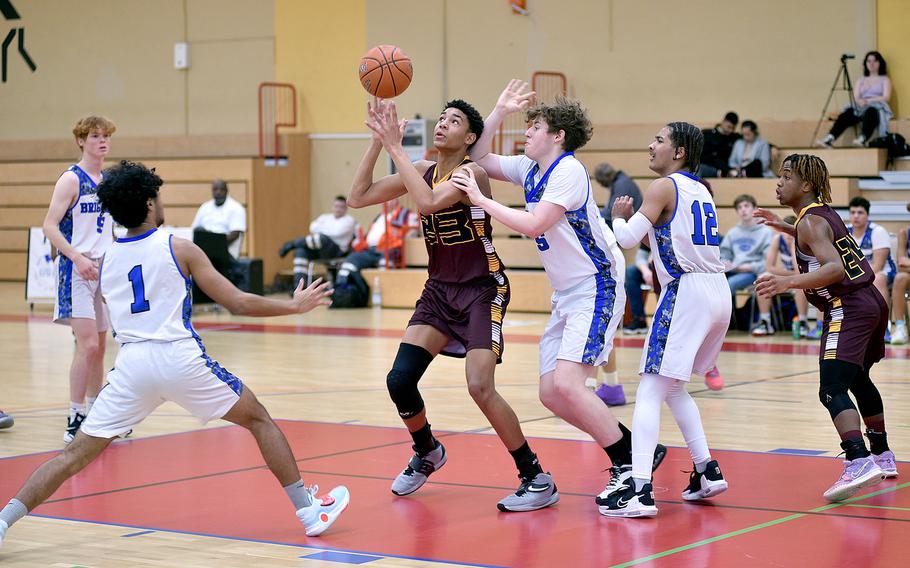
x,y
298,495
13,511
76,407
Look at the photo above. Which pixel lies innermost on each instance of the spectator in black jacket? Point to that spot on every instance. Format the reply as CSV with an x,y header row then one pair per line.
x,y
620,185
718,146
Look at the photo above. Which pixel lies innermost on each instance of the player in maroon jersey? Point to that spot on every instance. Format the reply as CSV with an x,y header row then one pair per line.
x,y
837,280
464,301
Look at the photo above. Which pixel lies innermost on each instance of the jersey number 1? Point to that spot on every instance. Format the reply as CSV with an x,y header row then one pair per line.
x,y
705,230
140,304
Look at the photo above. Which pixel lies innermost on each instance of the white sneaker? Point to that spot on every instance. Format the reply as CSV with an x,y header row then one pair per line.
x,y
324,510
3,527
899,334
859,473
859,141
825,142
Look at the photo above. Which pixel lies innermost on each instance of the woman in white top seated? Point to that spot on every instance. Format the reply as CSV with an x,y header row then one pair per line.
x,y
751,154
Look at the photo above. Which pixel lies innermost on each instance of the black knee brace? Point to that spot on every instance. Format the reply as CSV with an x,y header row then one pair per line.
x,y
410,364
836,378
866,394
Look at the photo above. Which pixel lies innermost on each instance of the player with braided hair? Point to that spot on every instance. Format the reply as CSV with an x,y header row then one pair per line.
x,y
679,218
838,280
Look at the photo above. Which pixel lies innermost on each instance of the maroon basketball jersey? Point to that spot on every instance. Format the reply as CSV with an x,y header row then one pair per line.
x,y
459,239
857,270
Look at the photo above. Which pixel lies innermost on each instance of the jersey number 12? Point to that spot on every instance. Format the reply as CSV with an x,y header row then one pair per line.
x,y
705,229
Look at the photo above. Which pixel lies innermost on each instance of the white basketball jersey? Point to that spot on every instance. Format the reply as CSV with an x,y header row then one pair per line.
x,y
689,241
580,245
85,226
147,295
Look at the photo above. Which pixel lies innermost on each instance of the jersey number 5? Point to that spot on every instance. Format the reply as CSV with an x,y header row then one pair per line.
x,y
542,243
140,304
705,229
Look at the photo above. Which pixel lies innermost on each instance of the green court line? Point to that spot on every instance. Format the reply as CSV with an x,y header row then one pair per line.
x,y
756,527
881,507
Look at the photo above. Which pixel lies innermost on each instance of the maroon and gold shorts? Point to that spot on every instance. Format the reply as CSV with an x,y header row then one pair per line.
x,y
854,328
471,314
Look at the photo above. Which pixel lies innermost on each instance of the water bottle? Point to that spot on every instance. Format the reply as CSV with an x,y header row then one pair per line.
x,y
795,327
376,298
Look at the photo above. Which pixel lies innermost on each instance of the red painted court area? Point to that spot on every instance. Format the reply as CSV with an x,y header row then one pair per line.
x,y
213,482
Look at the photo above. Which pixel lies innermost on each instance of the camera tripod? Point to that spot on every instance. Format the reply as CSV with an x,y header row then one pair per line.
x,y
842,82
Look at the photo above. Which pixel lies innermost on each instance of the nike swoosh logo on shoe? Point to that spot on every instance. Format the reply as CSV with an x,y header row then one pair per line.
x,y
620,504
538,488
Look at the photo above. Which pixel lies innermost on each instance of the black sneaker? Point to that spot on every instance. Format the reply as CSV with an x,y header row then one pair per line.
x,y
620,477
626,502
638,326
72,426
704,485
660,452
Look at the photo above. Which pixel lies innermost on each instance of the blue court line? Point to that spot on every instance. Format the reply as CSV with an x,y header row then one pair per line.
x,y
261,541
140,533
797,452
342,557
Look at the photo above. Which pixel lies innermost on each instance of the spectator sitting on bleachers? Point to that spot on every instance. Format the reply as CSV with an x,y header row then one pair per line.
x,y
899,288
782,249
619,185
330,237
222,214
369,250
718,145
751,154
871,94
743,248
875,242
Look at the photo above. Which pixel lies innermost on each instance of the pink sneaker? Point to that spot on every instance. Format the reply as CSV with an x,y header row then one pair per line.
x,y
887,463
713,380
859,473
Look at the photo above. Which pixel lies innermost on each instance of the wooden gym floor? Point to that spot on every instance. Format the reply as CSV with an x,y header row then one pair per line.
x,y
178,494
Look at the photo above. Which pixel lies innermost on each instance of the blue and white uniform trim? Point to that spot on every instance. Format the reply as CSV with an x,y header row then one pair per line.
x,y
223,374
660,328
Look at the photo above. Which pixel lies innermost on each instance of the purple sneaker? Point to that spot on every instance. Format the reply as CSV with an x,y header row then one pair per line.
x,y
612,395
859,473
887,463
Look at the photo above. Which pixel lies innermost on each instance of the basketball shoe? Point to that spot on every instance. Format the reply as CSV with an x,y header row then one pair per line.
x,y
858,473
3,527
886,462
418,470
320,515
706,484
714,380
72,426
620,477
626,502
6,421
532,494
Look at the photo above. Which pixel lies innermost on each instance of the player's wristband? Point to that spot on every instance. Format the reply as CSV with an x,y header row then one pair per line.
x,y
630,233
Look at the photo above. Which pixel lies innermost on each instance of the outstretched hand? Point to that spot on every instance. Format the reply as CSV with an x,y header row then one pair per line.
x,y
765,217
514,98
382,119
315,295
769,285
464,180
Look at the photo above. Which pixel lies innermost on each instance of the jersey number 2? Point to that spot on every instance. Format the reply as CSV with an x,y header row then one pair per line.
x,y
705,230
140,304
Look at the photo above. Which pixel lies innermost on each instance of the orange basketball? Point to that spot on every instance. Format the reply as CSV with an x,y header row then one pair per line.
x,y
385,71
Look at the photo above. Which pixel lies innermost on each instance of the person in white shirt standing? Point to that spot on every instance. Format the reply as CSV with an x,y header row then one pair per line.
x,y
145,278
680,220
330,237
578,252
222,214
81,233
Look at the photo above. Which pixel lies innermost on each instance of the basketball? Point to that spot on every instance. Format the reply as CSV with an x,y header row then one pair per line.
x,y
385,71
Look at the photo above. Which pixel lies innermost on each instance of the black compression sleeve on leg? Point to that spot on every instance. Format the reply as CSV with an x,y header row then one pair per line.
x,y
866,394
410,364
836,377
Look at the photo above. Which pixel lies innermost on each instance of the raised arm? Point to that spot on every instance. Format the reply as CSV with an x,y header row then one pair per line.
x,y
515,98
765,217
193,263
389,130
66,191
365,191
